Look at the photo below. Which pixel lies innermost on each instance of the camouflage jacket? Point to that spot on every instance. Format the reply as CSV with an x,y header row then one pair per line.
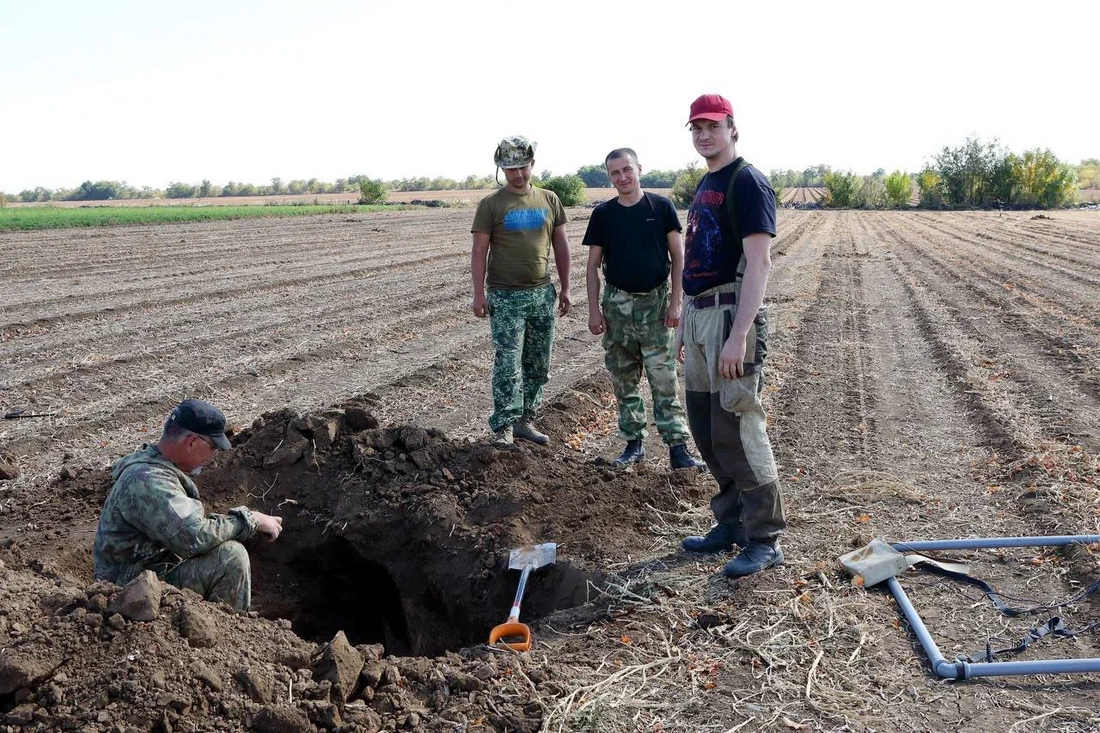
x,y
153,519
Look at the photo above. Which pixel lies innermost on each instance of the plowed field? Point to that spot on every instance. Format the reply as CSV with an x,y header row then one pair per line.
x,y
930,375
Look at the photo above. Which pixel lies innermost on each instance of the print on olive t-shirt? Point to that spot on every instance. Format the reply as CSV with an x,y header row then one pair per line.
x,y
520,229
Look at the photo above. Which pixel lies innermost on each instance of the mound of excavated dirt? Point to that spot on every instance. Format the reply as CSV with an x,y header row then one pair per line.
x,y
78,659
371,608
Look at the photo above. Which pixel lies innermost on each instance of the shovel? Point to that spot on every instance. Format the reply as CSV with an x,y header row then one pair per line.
x,y
512,633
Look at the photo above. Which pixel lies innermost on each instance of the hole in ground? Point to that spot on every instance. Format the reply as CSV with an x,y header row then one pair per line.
x,y
385,581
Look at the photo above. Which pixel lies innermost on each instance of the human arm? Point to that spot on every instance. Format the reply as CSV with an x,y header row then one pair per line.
x,y
478,257
758,264
678,347
676,300
596,323
268,525
560,242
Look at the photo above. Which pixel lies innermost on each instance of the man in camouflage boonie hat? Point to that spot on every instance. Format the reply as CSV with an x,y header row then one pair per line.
x,y
514,231
514,152
153,519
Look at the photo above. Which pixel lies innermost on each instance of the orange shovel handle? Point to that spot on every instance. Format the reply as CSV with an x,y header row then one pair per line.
x,y
511,630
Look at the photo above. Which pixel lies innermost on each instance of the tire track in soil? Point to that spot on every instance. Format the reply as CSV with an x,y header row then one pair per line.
x,y
246,239
1075,304
982,247
1037,242
224,295
1005,338
1054,320
835,361
193,332
281,247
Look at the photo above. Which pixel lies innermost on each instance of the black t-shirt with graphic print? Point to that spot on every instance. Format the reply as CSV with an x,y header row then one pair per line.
x,y
634,241
712,250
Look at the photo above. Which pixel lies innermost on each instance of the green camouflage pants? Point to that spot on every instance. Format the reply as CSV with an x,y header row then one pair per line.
x,y
637,338
223,574
521,323
728,421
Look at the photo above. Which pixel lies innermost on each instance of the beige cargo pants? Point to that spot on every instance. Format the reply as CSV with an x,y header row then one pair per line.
x,y
728,421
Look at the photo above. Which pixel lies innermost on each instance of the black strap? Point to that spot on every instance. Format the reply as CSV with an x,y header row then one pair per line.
x,y
1053,627
997,596
731,207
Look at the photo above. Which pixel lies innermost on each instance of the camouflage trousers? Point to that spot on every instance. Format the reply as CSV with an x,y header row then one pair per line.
x,y
223,574
637,338
521,323
728,421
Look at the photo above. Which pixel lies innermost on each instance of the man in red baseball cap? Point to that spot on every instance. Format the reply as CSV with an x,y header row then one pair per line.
x,y
722,341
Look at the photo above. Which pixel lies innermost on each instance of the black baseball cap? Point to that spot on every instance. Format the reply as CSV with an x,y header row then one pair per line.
x,y
202,418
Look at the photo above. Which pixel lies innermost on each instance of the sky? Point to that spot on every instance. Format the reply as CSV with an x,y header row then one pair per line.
x,y
150,93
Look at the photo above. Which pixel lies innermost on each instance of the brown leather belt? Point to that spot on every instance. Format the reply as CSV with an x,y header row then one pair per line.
x,y
714,299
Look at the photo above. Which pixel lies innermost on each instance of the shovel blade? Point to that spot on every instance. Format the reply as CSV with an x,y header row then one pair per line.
x,y
536,556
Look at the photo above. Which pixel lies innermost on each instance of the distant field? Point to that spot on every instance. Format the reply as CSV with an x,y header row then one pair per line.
x,y
319,199
62,217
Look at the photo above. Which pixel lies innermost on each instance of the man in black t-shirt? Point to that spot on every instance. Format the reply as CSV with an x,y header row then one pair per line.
x,y
722,340
635,239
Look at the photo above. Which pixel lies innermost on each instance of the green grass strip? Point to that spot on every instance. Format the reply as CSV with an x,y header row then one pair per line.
x,y
53,217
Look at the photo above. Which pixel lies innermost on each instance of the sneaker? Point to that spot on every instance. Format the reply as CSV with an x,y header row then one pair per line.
x,y
679,457
524,430
634,453
503,436
755,557
721,538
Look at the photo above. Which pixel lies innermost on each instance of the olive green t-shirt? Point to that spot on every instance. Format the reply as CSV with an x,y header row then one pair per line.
x,y
520,229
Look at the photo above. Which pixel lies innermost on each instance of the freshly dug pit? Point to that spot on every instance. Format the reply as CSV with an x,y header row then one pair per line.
x,y
394,535
386,581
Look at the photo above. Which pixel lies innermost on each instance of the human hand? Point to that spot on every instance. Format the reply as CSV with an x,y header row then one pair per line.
x,y
596,322
564,302
480,305
731,362
672,315
267,525
678,347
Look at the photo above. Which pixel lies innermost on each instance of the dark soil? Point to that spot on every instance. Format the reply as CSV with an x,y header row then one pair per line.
x,y
395,536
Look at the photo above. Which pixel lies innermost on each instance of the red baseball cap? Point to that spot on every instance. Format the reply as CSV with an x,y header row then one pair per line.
x,y
712,107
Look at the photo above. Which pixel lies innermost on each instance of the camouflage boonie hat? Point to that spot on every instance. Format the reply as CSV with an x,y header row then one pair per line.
x,y
514,152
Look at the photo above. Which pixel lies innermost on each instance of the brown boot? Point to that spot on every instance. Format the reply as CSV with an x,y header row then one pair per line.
x,y
524,430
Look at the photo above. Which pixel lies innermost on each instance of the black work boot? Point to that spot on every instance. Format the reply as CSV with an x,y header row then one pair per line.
x,y
755,557
634,453
720,538
680,457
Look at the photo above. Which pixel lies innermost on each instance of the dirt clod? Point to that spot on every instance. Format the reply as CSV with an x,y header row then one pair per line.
x,y
340,664
23,671
196,627
205,675
140,599
281,719
256,683
8,472
358,419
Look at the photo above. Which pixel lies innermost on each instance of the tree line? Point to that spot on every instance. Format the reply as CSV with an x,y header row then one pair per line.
x,y
972,175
